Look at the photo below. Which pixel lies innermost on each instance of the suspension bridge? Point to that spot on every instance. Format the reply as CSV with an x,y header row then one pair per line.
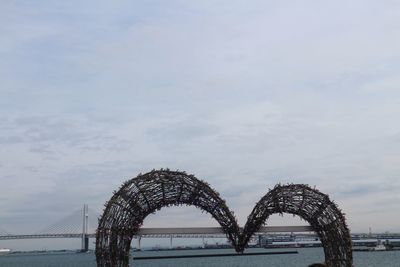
x,y
82,224
75,225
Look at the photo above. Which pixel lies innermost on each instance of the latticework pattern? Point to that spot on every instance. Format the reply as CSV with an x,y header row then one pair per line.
x,y
145,194
137,198
316,208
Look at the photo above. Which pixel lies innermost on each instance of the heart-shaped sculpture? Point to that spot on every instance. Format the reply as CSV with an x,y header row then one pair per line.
x,y
137,198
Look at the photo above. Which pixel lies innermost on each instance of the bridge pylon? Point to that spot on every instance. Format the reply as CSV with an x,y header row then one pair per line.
x,y
85,225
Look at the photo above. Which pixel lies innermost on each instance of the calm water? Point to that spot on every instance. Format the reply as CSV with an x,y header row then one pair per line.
x,y
303,258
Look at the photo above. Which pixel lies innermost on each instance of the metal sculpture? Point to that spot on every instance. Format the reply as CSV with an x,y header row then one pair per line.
x,y
137,198
145,194
316,208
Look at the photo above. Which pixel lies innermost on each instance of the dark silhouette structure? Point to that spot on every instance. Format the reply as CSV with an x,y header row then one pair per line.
x,y
137,198
316,208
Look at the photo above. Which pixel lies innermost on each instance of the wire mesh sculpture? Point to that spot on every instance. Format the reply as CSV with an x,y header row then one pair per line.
x,y
137,198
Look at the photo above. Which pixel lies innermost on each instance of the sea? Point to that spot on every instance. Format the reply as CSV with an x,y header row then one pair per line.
x,y
304,257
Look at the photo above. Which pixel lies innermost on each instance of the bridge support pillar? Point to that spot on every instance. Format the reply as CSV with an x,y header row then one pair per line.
x,y
85,225
85,247
139,245
204,244
170,242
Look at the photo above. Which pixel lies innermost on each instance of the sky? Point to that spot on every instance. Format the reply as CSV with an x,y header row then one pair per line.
x,y
242,94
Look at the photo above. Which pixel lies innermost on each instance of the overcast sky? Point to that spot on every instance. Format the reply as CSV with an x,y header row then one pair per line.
x,y
243,94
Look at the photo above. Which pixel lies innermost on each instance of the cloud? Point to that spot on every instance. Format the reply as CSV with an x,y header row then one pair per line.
x,y
241,95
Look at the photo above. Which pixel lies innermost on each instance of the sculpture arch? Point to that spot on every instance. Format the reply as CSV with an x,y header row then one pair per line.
x,y
137,198
316,208
145,194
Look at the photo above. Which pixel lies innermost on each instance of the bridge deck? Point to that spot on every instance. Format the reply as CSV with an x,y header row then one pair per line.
x,y
175,232
195,232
